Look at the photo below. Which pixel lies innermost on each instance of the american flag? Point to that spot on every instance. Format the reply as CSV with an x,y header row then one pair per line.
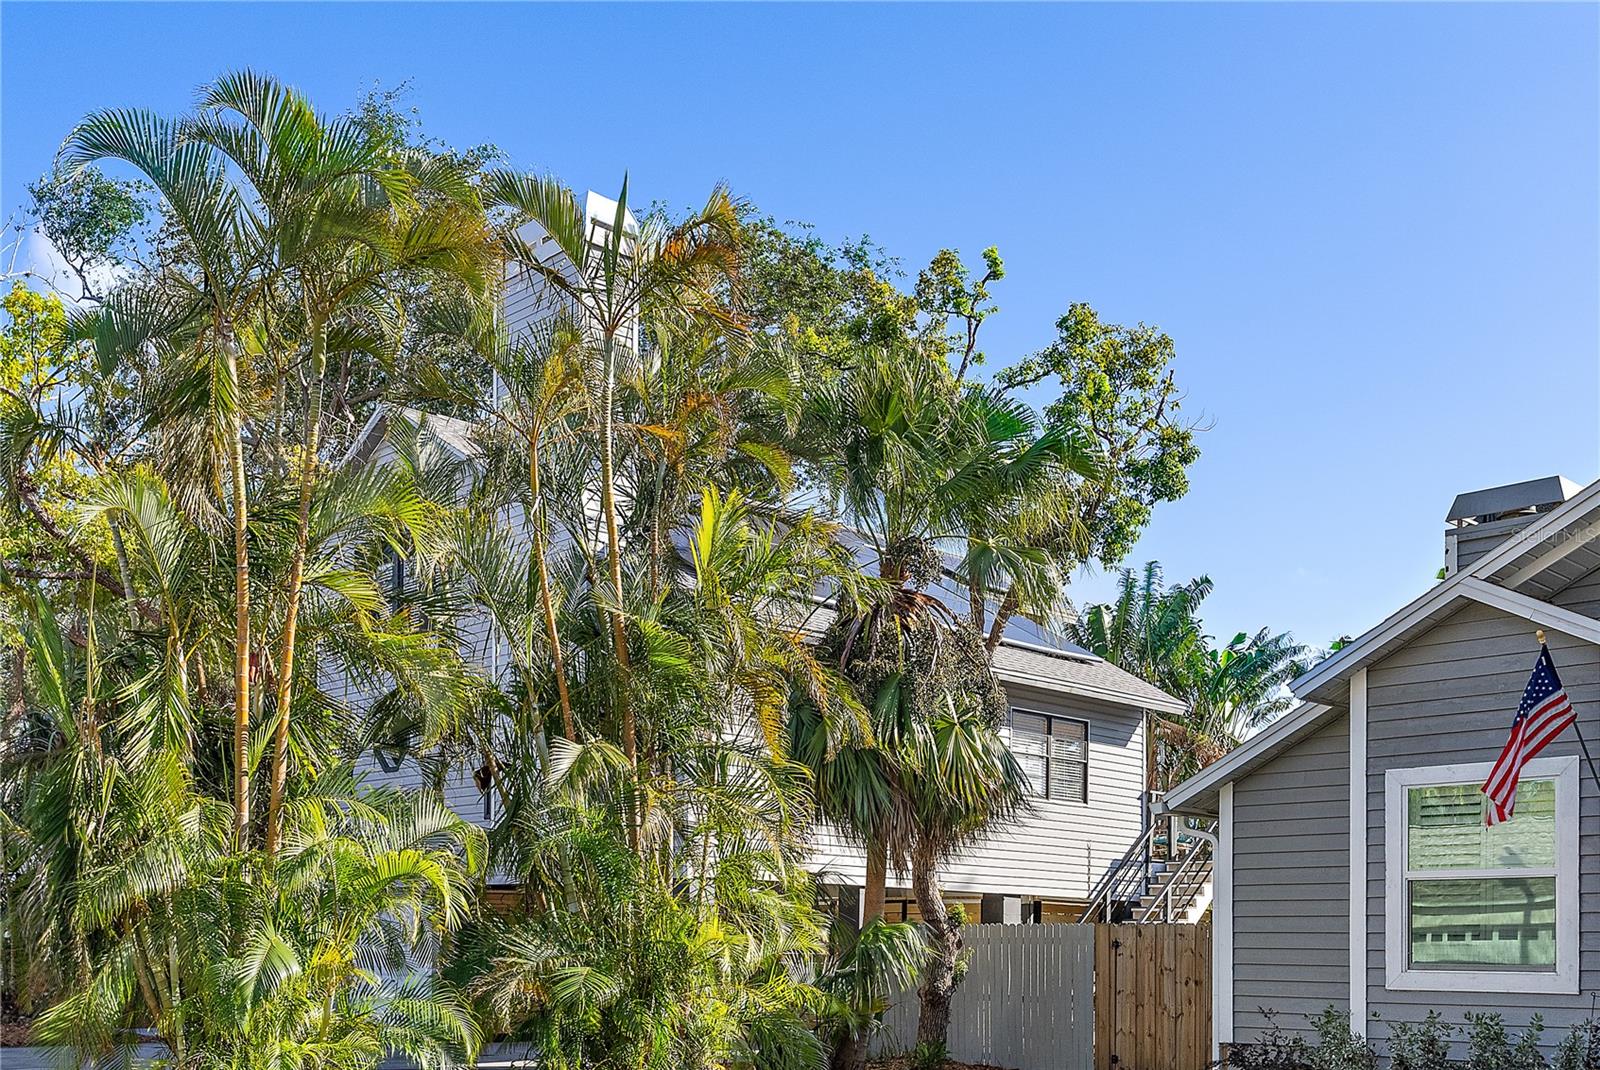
x,y
1544,714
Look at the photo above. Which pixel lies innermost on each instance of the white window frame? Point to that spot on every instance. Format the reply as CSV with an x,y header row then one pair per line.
x,y
1088,758
1401,976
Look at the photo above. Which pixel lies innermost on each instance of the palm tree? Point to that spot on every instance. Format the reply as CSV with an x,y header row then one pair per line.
x,y
346,217
903,457
199,313
144,911
669,915
1150,630
967,784
1017,521
1155,633
616,273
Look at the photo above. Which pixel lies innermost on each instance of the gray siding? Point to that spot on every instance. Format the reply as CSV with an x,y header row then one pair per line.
x,y
1447,697
1475,540
1060,849
1291,879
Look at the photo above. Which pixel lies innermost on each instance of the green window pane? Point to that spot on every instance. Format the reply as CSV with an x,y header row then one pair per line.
x,y
1445,829
1506,923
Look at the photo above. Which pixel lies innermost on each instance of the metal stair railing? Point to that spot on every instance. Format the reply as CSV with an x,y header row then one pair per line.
x,y
1126,876
1189,877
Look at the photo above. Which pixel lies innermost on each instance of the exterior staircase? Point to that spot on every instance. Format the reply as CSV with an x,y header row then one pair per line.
x,y
1165,876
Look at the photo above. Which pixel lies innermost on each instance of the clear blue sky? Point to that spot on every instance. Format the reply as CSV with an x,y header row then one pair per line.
x,y
1372,230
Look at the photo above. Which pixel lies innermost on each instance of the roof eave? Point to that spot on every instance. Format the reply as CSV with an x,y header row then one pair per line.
x,y
1328,681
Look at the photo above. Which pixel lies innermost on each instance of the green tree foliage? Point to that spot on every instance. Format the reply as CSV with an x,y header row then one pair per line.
x,y
1154,632
673,586
827,300
95,223
1118,388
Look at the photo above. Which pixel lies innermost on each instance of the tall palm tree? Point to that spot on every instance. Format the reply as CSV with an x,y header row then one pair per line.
x,y
227,266
541,375
616,273
903,456
346,217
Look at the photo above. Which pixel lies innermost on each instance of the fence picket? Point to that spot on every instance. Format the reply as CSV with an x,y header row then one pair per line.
x,y
1072,997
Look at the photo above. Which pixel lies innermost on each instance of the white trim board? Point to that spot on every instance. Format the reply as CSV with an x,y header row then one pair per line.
x,y
1222,925
1358,852
1398,973
1532,609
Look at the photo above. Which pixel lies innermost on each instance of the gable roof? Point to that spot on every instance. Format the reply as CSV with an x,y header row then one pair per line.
x,y
455,435
1539,560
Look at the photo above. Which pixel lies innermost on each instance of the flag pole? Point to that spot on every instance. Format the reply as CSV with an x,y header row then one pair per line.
x,y
1583,743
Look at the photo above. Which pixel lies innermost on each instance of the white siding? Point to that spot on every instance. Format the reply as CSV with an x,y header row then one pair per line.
x,y
1060,849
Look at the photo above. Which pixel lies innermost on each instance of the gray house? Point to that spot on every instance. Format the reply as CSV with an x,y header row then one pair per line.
x,y
1353,865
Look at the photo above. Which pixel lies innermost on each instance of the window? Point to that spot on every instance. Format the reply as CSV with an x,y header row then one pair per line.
x,y
1054,753
395,580
1478,909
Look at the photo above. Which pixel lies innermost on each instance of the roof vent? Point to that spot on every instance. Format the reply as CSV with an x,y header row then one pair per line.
x,y
1481,519
1514,499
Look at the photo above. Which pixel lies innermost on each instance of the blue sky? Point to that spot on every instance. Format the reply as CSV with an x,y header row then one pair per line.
x,y
1373,231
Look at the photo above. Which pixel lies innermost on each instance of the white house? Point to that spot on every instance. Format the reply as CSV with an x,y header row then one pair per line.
x,y
1078,723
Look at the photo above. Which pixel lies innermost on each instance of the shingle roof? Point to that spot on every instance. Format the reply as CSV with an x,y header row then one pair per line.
x,y
1076,675
1068,670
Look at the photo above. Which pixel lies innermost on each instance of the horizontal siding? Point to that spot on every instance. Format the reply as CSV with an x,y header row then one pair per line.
x,y
1060,849
1291,885
1447,698
1582,596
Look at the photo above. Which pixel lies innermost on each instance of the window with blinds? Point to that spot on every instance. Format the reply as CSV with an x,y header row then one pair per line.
x,y
1053,752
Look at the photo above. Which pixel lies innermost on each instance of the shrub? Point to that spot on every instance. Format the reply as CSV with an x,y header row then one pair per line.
x,y
929,1055
1338,1046
1422,1045
1490,1047
1276,1050
1579,1049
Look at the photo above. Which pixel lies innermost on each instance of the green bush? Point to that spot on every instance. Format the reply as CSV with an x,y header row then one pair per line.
x,y
1579,1049
1421,1045
1338,1046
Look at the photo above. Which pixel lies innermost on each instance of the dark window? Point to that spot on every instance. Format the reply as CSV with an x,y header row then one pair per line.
x,y
396,581
1054,753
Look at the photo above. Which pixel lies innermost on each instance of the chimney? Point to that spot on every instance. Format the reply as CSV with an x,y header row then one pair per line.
x,y
1482,519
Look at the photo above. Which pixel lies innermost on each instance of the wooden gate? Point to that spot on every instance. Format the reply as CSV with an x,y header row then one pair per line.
x,y
1152,997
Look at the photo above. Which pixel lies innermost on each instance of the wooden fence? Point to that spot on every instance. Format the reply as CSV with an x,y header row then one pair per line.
x,y
1152,997
1075,997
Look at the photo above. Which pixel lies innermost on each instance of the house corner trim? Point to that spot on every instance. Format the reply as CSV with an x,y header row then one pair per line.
x,y
1222,926
1358,851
